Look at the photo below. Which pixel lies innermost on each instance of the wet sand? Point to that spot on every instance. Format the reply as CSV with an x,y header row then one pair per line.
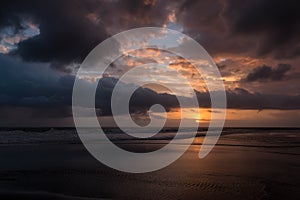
x,y
233,170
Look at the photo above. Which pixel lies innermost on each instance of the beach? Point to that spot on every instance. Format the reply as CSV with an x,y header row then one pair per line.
x,y
253,164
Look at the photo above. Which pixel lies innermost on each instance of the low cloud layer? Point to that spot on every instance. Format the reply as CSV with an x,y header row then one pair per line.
x,y
39,87
264,73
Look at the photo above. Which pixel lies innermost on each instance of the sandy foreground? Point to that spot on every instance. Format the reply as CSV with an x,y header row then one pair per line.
x,y
235,169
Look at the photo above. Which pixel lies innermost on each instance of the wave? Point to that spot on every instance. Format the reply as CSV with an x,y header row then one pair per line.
x,y
251,137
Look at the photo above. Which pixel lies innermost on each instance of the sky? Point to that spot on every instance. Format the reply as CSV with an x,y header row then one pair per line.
x,y
255,44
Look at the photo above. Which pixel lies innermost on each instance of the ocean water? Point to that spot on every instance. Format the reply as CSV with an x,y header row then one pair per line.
x,y
246,163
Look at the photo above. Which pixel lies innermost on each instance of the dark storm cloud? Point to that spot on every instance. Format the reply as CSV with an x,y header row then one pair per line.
x,y
203,21
257,28
66,34
32,84
69,30
31,91
240,98
140,102
273,23
37,86
268,73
